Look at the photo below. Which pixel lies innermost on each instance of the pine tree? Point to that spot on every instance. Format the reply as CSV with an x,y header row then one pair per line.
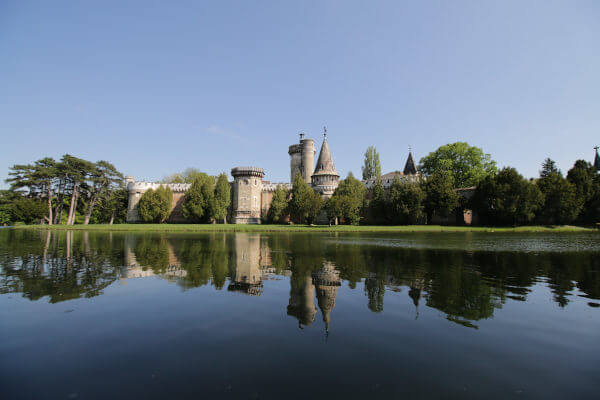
x,y
199,201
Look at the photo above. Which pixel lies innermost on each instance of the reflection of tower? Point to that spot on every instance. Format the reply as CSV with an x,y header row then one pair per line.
x,y
327,281
375,289
415,293
247,277
302,303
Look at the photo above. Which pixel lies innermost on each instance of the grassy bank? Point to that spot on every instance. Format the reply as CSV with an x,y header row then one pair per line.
x,y
302,228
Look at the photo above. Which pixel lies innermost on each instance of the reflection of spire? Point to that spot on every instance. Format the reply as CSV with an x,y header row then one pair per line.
x,y
302,303
327,281
415,295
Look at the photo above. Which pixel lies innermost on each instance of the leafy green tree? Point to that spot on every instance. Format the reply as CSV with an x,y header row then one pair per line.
x,y
5,215
347,201
561,205
112,207
155,205
28,210
406,202
467,165
222,198
174,178
440,197
278,206
506,199
587,189
301,202
372,166
104,177
199,200
378,206
315,205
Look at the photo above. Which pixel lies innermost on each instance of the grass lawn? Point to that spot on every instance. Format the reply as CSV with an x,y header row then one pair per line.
x,y
302,228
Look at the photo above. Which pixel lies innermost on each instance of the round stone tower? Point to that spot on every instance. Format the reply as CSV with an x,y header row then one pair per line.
x,y
247,191
302,159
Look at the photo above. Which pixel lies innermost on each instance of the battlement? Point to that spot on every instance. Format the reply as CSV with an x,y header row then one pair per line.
x,y
248,171
133,186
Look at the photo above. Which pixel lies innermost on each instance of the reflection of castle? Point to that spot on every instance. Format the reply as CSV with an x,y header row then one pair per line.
x,y
327,281
247,276
133,269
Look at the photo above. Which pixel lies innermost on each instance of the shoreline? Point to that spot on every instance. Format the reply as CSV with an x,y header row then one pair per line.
x,y
304,228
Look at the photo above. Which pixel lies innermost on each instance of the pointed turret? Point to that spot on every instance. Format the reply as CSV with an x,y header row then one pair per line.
x,y
597,160
409,167
325,178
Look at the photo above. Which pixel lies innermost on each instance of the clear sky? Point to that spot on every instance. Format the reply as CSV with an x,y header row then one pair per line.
x,y
159,86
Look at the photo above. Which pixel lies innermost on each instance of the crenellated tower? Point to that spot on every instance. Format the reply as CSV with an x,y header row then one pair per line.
x,y
302,159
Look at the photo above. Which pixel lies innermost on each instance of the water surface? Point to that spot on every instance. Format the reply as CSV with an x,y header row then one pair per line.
x,y
96,315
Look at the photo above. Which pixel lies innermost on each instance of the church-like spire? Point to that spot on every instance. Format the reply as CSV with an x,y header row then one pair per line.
x,y
409,167
325,164
597,160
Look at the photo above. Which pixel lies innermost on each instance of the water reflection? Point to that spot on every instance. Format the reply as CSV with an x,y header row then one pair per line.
x,y
466,286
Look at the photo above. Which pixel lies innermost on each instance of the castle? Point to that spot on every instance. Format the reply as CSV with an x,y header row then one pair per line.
x,y
252,196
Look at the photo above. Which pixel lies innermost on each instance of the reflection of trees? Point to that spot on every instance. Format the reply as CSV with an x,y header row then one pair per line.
x,y
62,265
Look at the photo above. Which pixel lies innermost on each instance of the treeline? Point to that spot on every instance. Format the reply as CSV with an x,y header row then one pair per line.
x,y
454,178
69,191
206,201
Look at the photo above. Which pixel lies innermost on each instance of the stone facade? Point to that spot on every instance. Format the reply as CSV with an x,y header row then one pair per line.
x,y
246,204
137,189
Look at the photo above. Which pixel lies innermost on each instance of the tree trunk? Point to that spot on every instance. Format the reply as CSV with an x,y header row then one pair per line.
x,y
73,207
112,218
59,203
49,206
90,208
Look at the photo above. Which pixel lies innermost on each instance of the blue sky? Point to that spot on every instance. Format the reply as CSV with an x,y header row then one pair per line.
x,y
156,87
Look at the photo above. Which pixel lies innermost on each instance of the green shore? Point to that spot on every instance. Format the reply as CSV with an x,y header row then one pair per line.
x,y
302,228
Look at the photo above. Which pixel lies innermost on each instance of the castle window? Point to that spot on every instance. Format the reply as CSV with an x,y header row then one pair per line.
x,y
255,183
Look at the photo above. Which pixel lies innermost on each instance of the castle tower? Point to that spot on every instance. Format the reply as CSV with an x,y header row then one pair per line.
x,y
327,282
325,178
247,191
302,159
597,160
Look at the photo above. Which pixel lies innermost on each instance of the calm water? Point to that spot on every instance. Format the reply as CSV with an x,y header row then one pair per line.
x,y
299,316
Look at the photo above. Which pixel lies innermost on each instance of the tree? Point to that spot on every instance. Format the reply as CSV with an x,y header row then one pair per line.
x,y
28,210
278,206
467,165
506,199
440,197
76,171
111,207
372,166
198,203
587,189
174,178
104,178
406,202
222,198
301,203
378,206
347,201
155,205
315,204
561,205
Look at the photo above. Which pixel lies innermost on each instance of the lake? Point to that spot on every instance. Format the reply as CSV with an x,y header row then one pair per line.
x,y
109,315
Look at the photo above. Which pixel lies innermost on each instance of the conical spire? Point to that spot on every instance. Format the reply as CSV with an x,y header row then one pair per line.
x,y
325,164
409,167
597,160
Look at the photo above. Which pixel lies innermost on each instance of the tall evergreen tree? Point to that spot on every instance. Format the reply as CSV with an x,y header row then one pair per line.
x,y
378,206
372,166
199,200
222,198
301,202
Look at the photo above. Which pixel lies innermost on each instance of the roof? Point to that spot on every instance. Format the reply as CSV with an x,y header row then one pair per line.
x,y
409,167
325,164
